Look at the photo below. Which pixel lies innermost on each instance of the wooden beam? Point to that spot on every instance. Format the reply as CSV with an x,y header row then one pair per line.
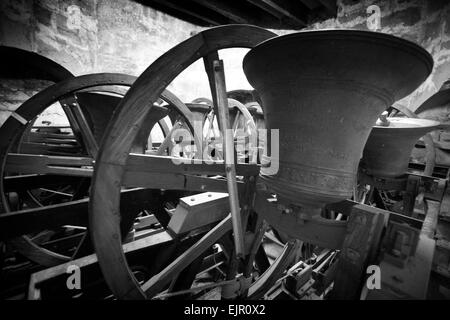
x,y
414,268
176,6
51,148
158,281
311,4
223,8
41,164
86,133
46,137
13,224
137,163
277,9
40,277
363,236
32,181
142,171
174,165
264,6
330,6
169,181
199,210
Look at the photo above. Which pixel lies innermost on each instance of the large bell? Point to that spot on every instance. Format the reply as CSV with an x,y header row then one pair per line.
x,y
387,151
324,90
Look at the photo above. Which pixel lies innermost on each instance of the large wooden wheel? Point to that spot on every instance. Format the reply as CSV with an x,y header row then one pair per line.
x,y
116,167
49,166
22,64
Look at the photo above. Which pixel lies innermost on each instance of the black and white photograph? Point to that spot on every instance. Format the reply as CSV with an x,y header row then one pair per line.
x,y
224,158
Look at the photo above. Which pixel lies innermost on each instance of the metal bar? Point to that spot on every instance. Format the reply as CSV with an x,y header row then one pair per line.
x,y
230,169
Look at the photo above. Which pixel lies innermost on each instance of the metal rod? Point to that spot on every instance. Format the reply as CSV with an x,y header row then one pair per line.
x,y
230,169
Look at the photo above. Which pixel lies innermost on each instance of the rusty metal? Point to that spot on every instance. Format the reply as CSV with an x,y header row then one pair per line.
x,y
388,148
324,91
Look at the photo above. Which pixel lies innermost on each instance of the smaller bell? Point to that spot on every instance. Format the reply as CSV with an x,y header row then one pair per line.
x,y
388,148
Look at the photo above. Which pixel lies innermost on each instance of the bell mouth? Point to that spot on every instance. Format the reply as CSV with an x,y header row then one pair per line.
x,y
403,124
323,91
388,148
344,55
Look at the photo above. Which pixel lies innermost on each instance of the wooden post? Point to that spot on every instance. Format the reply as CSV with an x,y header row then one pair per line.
x,y
363,236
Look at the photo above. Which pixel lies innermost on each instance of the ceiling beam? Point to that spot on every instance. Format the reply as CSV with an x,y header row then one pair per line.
x,y
260,4
311,4
226,10
180,8
277,10
330,6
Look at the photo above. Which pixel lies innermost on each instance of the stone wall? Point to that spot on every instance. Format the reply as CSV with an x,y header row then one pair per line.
x,y
426,22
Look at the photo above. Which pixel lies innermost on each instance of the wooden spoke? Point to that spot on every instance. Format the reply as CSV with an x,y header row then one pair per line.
x,y
273,273
167,145
40,164
157,283
261,227
152,118
71,103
